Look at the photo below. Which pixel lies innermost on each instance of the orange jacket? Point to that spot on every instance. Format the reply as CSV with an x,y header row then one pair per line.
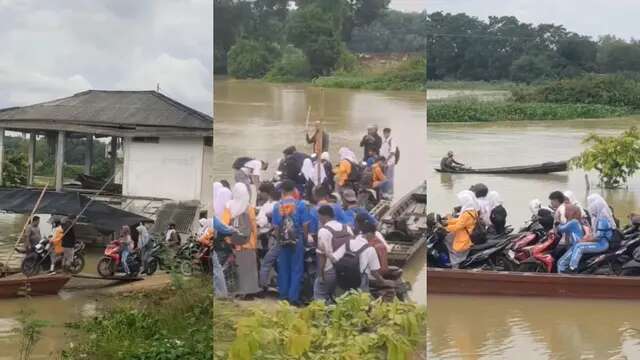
x,y
206,239
56,240
378,175
342,171
252,244
462,227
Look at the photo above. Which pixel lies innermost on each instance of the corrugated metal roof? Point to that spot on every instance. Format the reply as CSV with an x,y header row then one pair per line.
x,y
126,109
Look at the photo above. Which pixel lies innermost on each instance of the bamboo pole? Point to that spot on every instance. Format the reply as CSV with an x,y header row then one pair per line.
x,y
24,228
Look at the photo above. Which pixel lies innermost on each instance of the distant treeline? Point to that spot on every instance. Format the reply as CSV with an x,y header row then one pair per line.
x,y
269,38
462,47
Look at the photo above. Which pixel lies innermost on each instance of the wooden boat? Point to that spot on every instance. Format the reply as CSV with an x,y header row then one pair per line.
x,y
544,168
469,282
404,226
19,285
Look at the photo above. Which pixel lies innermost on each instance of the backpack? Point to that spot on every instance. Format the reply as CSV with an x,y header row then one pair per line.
x,y
239,162
366,179
243,229
356,172
338,237
287,234
348,275
479,233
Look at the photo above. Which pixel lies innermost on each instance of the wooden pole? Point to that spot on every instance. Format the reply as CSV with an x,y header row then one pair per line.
x,y
24,228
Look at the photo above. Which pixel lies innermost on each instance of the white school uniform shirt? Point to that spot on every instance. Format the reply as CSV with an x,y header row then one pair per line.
x,y
368,258
325,247
253,167
262,219
387,149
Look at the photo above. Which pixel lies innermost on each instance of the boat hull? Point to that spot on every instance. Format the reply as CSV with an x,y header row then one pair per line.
x,y
19,286
545,168
466,282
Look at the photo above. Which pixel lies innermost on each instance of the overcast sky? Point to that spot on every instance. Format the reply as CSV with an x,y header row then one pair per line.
x,y
409,5
55,48
587,17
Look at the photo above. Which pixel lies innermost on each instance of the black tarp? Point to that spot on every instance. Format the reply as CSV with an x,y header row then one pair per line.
x,y
104,217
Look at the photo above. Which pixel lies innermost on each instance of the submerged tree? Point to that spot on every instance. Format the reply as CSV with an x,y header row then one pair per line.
x,y
615,158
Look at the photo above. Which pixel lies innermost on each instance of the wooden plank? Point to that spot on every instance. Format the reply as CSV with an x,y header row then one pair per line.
x,y
468,282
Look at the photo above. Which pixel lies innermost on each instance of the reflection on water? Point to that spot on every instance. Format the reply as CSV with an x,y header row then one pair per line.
x,y
258,119
462,327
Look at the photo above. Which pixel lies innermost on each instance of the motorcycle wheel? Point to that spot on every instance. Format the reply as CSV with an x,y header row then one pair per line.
x,y
186,268
77,264
630,272
30,266
106,267
152,266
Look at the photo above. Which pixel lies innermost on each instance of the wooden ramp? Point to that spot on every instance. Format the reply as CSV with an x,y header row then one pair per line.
x,y
110,278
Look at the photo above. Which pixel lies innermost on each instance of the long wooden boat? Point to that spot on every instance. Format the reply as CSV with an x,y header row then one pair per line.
x,y
469,282
19,285
404,226
544,168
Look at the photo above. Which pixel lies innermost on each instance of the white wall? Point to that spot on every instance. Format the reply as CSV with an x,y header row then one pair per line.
x,y
170,169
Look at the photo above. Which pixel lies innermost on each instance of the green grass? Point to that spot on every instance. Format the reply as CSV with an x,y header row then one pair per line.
x,y
166,324
474,111
471,85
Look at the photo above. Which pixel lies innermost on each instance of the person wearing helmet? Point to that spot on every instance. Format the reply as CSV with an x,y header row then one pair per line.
x,y
449,163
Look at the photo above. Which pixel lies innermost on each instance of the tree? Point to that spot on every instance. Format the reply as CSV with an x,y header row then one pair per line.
x,y
249,59
530,68
615,158
15,170
293,66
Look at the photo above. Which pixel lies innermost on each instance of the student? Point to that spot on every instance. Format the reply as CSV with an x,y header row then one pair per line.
x,y
126,247
380,182
144,243
321,197
388,151
481,191
353,210
172,237
325,159
319,139
573,231
368,227
240,215
603,225
458,239
221,195
289,219
56,242
264,224
498,214
345,167
331,236
219,283
371,142
68,242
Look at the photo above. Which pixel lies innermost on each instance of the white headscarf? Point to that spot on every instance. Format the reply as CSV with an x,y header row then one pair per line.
x,y
572,199
599,210
143,236
467,201
307,169
325,156
239,201
346,154
221,195
494,199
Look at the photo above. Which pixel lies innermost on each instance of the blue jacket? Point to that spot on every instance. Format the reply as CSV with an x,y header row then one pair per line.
x,y
221,228
314,221
573,230
353,212
603,231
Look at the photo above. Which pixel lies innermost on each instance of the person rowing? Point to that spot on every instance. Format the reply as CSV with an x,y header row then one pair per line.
x,y
449,163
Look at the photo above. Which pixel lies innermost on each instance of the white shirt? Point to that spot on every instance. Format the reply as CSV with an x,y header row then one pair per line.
x,y
325,247
368,258
253,167
387,149
262,219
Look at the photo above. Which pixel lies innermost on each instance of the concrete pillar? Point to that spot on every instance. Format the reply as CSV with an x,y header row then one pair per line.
x,y
32,157
88,155
114,154
1,156
60,161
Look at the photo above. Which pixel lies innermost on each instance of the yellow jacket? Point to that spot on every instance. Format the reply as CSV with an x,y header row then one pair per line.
x,y
342,171
252,244
462,227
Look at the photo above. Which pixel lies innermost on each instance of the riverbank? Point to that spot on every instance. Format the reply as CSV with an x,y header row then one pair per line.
x,y
355,327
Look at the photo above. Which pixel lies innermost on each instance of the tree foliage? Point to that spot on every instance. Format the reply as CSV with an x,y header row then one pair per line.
x,y
615,158
293,66
250,59
15,169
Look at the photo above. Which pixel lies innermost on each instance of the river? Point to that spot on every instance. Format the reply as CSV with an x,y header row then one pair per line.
x,y
259,119
461,327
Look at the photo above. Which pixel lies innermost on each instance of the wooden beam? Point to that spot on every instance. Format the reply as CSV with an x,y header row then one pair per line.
x,y
1,155
88,155
31,153
60,161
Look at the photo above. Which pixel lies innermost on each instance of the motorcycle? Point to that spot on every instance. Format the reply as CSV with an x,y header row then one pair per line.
x,y
111,263
39,259
198,263
611,261
632,267
155,258
521,247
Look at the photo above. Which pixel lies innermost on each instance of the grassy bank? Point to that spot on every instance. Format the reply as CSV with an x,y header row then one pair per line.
x,y
409,75
474,111
355,328
471,85
173,323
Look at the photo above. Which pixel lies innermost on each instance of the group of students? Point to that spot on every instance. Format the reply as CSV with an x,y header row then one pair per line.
x,y
63,241
582,230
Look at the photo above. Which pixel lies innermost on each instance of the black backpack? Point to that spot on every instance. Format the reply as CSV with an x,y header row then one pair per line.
x,y
479,233
356,172
366,178
242,225
339,237
348,275
239,162
287,234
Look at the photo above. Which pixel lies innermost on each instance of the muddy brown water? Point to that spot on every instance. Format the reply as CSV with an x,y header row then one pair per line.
x,y
463,327
259,120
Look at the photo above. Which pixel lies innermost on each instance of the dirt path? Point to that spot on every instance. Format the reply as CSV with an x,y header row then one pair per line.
x,y
115,287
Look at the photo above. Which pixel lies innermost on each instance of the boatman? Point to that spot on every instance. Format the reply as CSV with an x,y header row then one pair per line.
x,y
449,163
319,139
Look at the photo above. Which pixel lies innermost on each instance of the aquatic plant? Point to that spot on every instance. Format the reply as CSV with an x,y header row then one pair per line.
x,y
29,332
356,327
615,158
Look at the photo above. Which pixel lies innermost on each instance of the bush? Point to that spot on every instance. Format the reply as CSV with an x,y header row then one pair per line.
x,y
249,59
615,158
476,111
347,62
15,169
356,327
293,66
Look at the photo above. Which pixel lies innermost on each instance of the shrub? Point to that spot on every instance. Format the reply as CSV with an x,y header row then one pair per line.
x,y
15,169
615,158
293,66
249,59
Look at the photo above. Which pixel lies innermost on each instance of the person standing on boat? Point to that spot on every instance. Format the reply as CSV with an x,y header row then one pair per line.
x,y
498,214
390,152
68,243
603,225
56,243
448,163
325,160
458,239
352,210
371,142
345,168
32,235
319,139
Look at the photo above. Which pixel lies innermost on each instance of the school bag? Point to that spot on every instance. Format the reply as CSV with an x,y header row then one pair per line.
x,y
348,275
242,225
287,234
239,162
356,172
479,233
366,179
338,237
